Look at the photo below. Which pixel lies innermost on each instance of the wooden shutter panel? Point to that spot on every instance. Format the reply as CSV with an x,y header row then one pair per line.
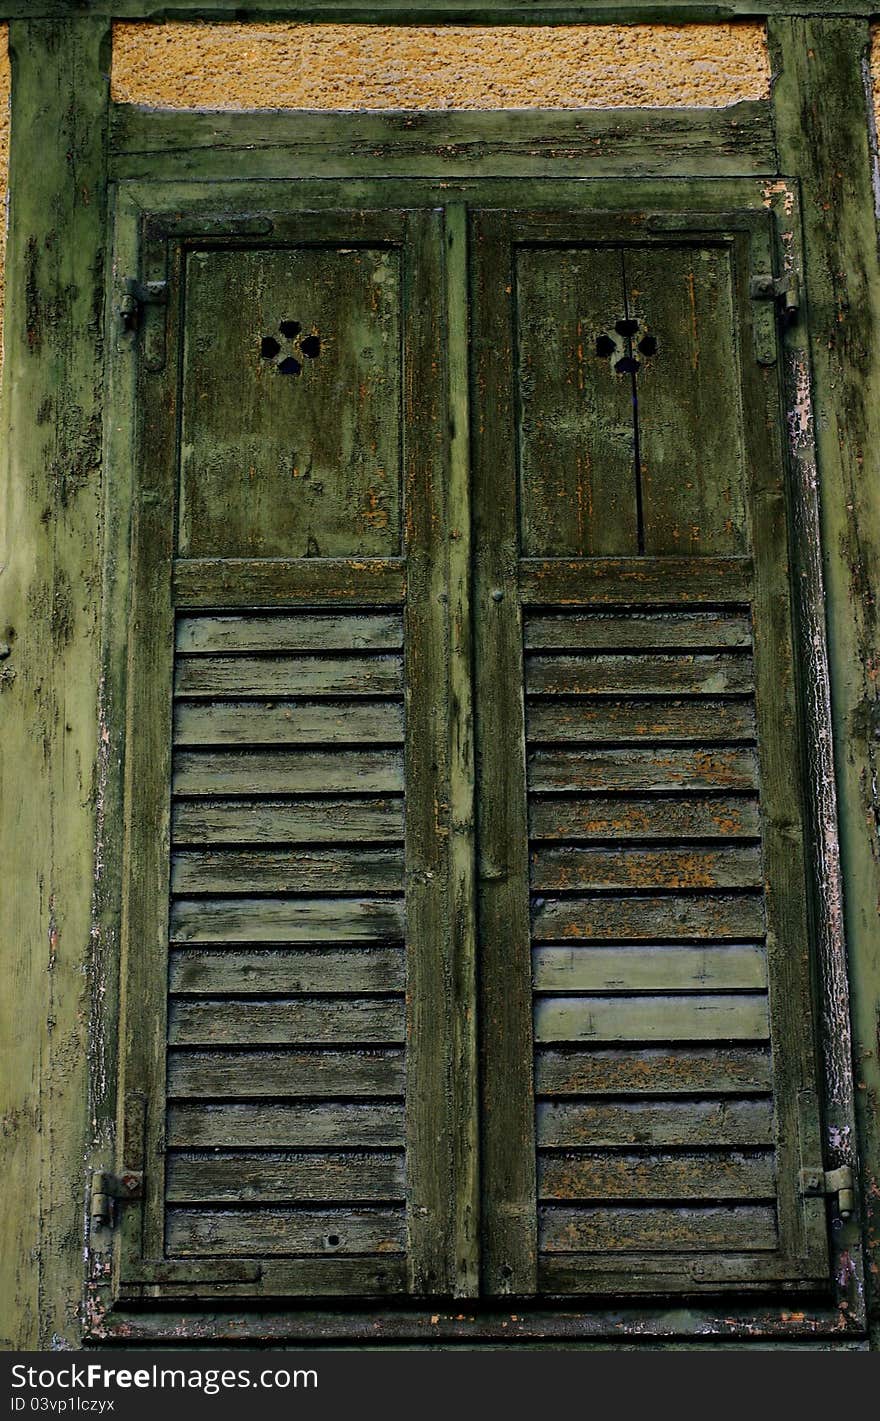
x,y
648,1058
275,948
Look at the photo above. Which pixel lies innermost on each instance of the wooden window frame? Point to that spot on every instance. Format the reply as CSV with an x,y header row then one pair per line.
x,y
150,217
819,120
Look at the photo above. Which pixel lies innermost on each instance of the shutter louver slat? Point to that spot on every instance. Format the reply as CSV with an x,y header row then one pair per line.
x,y
675,964
286,972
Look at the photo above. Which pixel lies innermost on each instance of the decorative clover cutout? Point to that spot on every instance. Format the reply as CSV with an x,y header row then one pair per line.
x,y
620,345
286,356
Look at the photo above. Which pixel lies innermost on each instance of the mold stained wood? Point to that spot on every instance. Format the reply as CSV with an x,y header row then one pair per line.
x,y
736,140
48,585
436,11
823,127
49,685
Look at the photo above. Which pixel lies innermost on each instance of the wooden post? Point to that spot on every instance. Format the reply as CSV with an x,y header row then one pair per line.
x,y
823,127
50,593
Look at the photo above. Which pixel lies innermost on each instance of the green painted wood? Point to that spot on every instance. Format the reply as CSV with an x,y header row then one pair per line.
x,y
268,1231
293,871
435,11
565,1230
642,769
229,920
687,1070
736,140
291,401
289,723
649,969
261,971
462,866
250,772
353,1276
432,1126
681,1122
53,375
581,582
689,1016
603,1176
653,630
307,675
312,821
575,435
347,1125
249,1074
371,631
509,1208
688,410
587,674
234,582
230,1021
705,720
556,816
825,124
673,915
269,1178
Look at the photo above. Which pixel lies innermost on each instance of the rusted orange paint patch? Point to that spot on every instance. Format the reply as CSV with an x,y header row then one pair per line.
x,y
351,67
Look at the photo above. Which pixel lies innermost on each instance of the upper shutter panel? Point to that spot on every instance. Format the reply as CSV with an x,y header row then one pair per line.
x,y
273,947
655,941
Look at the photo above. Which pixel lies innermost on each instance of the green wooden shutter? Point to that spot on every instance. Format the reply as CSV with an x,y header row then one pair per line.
x,y
287,1063
648,1054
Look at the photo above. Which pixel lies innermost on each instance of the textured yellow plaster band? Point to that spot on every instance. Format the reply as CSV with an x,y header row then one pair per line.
x,y
5,90
288,66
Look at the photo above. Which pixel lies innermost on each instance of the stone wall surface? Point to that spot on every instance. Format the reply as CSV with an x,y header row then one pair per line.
x,y
265,66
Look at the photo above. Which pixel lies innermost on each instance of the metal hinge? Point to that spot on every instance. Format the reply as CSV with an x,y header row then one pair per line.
x,y
109,1189
816,1183
785,290
139,294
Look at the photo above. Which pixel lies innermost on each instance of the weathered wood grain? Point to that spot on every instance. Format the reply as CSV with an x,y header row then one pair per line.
x,y
582,582
224,723
230,920
328,1125
557,869
268,1231
333,582
307,675
261,971
685,1017
688,402
676,915
227,1021
264,1177
642,769
736,967
604,1176
279,821
735,139
649,630
576,438
674,1070
570,1230
331,870
271,772
279,632
682,1122
657,674
599,720
51,475
557,816
304,464
255,1074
